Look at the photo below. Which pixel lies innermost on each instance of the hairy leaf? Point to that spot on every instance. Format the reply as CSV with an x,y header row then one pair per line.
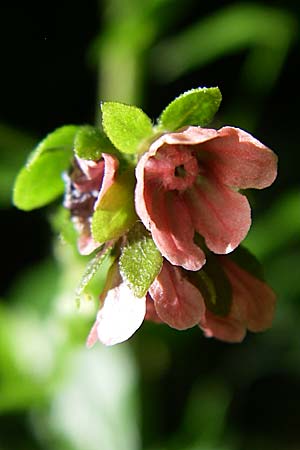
x,y
140,260
126,126
90,142
40,181
194,107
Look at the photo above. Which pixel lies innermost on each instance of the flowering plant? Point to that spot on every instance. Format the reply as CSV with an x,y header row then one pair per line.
x,y
163,205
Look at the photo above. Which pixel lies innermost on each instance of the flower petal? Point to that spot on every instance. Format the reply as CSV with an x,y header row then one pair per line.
x,y
253,306
220,215
176,300
165,214
151,313
85,243
92,337
120,316
239,160
91,170
187,136
111,165
254,297
228,329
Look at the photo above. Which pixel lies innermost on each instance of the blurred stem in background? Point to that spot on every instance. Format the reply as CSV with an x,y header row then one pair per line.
x,y
265,33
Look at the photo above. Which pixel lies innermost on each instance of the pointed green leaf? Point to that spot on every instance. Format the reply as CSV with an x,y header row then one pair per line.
x,y
214,286
140,261
194,107
40,181
90,142
126,126
248,262
115,214
92,280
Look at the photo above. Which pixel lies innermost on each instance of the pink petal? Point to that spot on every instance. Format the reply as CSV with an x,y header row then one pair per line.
x,y
187,136
228,329
120,316
110,170
239,160
253,306
151,313
168,219
86,244
89,176
92,337
254,297
220,215
176,300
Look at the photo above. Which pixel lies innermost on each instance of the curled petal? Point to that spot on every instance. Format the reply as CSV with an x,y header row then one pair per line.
x,y
221,215
90,175
120,316
239,160
255,298
187,136
176,300
111,165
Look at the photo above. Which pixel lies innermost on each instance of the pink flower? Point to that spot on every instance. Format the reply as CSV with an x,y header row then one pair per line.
x,y
86,185
188,182
253,305
173,299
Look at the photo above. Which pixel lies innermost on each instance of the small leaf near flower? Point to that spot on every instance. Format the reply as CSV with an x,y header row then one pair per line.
x,y
140,261
194,107
90,142
214,286
115,213
248,262
93,270
126,126
40,181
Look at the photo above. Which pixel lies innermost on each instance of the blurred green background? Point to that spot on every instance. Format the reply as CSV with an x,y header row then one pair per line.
x,y
163,390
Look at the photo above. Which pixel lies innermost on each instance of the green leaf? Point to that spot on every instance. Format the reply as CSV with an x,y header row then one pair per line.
x,y
115,214
140,261
126,126
90,142
40,181
214,286
93,271
248,262
14,148
194,107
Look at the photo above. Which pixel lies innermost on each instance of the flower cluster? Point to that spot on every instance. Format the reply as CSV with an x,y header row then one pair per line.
x,y
165,203
186,183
